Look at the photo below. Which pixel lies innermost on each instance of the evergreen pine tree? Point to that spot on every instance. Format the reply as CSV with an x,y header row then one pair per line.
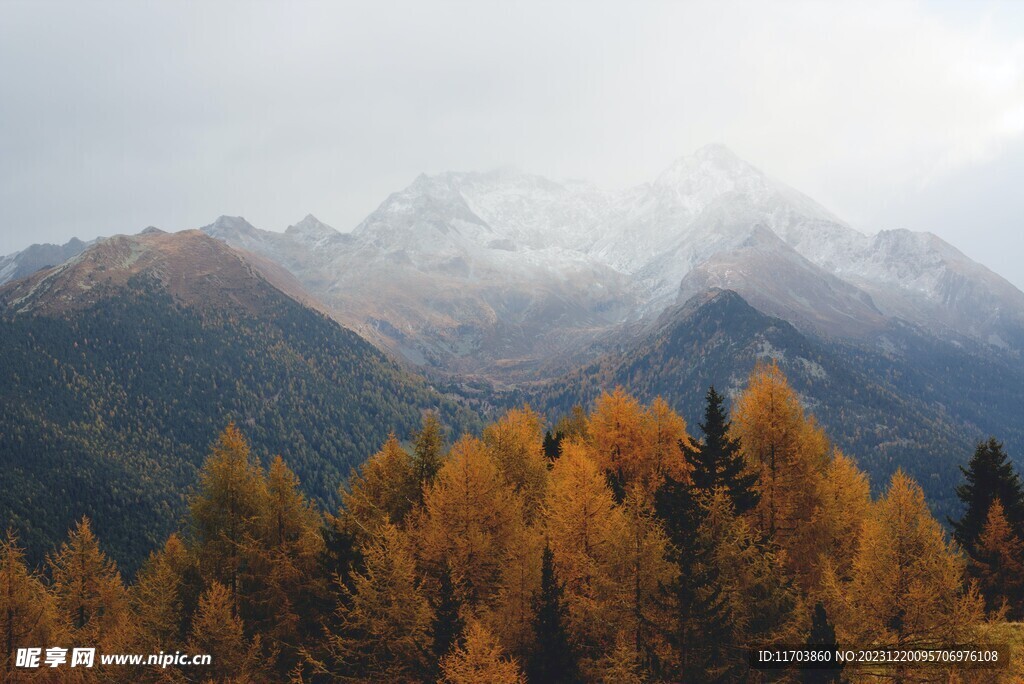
x,y
553,659
448,623
703,625
704,621
341,556
989,476
552,444
758,596
717,461
823,634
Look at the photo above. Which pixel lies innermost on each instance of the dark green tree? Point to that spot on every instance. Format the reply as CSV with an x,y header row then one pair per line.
x,y
717,461
822,635
988,476
553,660
448,622
341,557
552,444
704,624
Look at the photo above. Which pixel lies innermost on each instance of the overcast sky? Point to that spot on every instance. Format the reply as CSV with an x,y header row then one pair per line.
x,y
116,116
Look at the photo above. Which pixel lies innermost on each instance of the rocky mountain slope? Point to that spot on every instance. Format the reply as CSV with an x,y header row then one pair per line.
x,y
31,259
119,368
904,399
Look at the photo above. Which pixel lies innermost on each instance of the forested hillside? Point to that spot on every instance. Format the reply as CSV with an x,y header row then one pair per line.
x,y
107,408
625,547
919,406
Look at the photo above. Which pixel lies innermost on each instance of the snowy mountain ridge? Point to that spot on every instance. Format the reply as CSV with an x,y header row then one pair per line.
x,y
477,270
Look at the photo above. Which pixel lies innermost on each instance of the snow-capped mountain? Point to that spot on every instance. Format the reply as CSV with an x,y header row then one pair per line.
x,y
921,278
501,271
427,277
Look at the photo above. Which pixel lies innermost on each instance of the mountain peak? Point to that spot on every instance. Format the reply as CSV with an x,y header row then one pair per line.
x,y
714,155
711,169
312,231
712,302
716,151
311,225
229,224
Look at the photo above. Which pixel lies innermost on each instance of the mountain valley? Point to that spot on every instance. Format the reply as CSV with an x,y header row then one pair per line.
x,y
505,287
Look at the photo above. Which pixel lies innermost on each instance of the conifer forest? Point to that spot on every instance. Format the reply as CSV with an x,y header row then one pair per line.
x,y
619,545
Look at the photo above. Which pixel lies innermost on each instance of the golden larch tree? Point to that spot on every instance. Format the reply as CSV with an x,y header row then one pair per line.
x,y
158,596
90,595
586,531
28,614
620,666
428,450
669,435
284,587
384,489
790,453
385,618
622,437
844,506
480,659
907,580
218,632
516,442
643,571
470,517
511,619
999,563
573,425
227,510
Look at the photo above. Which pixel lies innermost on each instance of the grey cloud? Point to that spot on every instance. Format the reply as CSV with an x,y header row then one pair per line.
x,y
115,116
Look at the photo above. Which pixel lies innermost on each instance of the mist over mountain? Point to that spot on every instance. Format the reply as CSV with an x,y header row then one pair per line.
x,y
497,273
